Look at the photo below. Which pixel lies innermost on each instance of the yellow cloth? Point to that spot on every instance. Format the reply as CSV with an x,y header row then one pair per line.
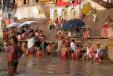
x,y
86,8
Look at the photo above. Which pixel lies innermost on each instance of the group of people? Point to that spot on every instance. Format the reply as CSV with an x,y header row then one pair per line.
x,y
56,23
86,33
23,41
27,41
68,47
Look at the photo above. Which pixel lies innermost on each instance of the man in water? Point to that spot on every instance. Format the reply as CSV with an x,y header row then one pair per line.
x,y
14,54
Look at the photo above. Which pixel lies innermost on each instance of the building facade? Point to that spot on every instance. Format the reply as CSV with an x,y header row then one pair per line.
x,y
30,2
12,6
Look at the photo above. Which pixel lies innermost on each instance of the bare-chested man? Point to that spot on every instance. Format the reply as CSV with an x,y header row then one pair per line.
x,y
60,40
14,54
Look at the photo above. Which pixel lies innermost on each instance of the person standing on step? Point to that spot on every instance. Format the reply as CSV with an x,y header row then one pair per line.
x,y
105,29
94,17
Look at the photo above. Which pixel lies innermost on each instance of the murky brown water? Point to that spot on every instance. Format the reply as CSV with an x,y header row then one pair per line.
x,y
54,66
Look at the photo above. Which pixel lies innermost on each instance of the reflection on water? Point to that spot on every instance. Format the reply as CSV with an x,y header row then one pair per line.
x,y
54,66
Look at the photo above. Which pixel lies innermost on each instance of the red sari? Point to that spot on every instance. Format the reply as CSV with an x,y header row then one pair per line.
x,y
105,29
4,35
76,52
63,52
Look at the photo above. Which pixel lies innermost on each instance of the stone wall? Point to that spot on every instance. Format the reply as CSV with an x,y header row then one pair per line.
x,y
110,48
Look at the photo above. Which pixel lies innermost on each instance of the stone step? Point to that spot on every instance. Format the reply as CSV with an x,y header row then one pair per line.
x,y
101,17
104,4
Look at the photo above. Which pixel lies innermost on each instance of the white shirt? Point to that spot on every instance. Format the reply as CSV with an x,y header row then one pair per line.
x,y
31,42
72,46
98,50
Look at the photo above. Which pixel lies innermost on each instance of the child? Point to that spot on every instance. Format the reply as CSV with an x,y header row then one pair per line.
x,y
49,49
76,52
86,34
63,52
5,46
89,52
38,53
97,55
72,48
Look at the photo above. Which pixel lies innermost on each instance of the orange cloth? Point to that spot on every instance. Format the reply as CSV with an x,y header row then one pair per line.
x,y
77,50
63,51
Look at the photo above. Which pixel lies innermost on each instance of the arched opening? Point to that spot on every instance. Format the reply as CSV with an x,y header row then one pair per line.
x,y
64,14
55,14
72,13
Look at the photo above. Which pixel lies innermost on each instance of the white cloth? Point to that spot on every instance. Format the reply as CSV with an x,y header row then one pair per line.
x,y
89,50
59,44
98,51
31,42
69,34
72,46
94,17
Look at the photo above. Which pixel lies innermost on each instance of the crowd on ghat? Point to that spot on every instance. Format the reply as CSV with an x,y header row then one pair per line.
x,y
34,41
27,41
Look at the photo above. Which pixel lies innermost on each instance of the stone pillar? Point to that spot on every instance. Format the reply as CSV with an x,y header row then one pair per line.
x,y
110,48
110,43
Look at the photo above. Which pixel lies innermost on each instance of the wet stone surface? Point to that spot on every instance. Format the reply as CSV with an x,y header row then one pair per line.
x,y
54,66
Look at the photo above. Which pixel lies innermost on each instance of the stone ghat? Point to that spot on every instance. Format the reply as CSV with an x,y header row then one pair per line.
x,y
95,41
110,48
104,42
